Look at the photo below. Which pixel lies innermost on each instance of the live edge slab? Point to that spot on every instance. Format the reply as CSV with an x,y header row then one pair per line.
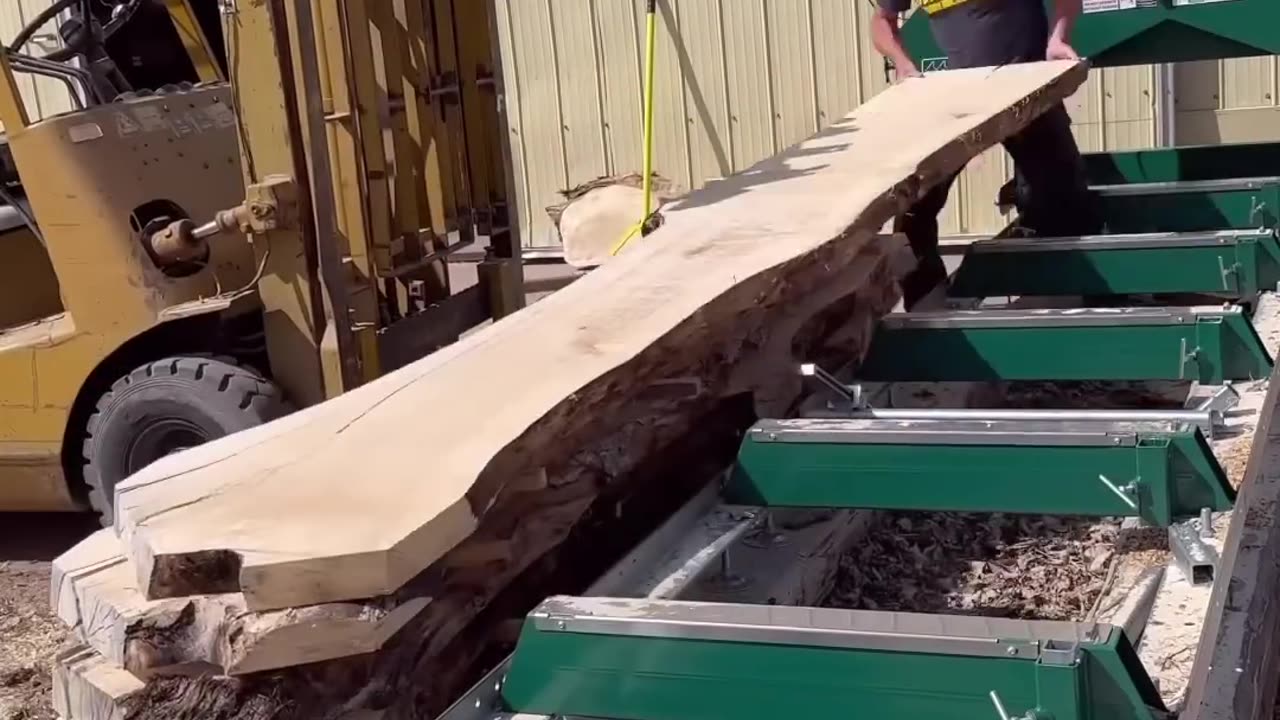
x,y
746,277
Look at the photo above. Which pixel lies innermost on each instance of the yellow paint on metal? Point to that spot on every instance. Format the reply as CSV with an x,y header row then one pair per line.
x,y
268,146
13,114
194,40
90,287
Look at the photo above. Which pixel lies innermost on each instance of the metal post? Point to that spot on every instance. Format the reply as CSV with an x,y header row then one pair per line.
x,y
331,267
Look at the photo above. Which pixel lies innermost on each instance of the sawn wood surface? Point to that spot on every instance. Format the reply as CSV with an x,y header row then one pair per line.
x,y
352,498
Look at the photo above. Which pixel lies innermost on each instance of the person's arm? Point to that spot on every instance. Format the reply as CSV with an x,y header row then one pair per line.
x,y
1065,13
887,38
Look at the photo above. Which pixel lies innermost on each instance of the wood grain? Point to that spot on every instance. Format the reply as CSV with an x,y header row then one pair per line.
x,y
355,497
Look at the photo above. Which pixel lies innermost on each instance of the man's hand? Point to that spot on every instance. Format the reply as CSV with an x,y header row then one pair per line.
x,y
903,73
886,37
1065,13
1060,49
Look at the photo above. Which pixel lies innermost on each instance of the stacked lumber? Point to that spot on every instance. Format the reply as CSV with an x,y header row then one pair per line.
x,y
361,554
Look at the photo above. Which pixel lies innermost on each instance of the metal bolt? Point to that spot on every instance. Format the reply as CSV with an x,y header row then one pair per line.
x,y
1206,523
561,625
1012,651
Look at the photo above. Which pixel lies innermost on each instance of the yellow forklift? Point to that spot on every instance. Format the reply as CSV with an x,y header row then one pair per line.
x,y
252,208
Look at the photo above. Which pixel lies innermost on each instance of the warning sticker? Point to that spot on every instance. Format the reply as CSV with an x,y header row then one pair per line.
x,y
125,126
1099,6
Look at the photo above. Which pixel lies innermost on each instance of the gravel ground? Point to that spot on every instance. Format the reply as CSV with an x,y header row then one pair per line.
x,y
30,635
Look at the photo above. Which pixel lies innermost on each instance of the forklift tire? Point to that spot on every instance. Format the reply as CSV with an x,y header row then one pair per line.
x,y
164,407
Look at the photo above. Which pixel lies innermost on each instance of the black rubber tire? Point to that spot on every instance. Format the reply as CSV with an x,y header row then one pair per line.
x,y
163,407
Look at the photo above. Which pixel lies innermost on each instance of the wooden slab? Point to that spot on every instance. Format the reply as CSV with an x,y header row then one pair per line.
x,y
87,687
370,489
95,593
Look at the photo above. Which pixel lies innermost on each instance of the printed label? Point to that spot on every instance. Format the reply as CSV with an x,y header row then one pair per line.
x,y
1097,6
937,64
85,132
125,126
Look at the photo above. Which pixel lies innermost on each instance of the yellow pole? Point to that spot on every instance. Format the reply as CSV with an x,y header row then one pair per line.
x,y
649,63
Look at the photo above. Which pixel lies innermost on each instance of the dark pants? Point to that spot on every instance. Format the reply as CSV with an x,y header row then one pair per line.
x,y
1053,198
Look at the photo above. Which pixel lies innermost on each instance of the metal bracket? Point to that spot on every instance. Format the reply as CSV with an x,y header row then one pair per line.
x,y
1197,559
1222,400
1228,272
1187,357
445,87
1257,208
850,395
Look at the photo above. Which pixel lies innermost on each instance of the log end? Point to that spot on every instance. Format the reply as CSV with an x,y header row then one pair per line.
x,y
201,572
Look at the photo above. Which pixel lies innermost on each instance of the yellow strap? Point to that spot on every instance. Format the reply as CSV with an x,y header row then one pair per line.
x,y
936,6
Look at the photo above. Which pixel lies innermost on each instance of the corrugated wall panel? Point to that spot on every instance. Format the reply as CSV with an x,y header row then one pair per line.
x,y
750,93
578,84
534,70
791,71
836,45
739,80
706,102
618,38
43,96
1227,101
670,132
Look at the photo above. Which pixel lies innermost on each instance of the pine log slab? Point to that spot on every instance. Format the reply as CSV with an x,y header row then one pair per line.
x,y
363,493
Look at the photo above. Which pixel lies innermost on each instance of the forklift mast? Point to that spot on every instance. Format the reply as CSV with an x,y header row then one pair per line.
x,y
384,115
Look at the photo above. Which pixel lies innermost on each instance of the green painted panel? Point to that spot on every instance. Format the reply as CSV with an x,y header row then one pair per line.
x,y
1222,348
1161,34
1240,268
1175,473
1193,211
646,678
1182,164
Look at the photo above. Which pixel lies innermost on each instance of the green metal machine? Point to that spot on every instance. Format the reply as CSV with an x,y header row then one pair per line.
x,y
1181,222
1139,32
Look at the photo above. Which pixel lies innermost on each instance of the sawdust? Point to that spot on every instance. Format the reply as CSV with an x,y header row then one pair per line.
x,y
996,565
30,636
1090,395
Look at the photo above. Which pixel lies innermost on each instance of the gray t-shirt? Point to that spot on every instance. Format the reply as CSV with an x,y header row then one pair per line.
x,y
981,33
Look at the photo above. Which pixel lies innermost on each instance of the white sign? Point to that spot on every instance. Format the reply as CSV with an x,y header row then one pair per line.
x,y
1099,6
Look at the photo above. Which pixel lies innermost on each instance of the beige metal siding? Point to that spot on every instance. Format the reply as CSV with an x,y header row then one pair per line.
x,y
740,80
1227,101
43,96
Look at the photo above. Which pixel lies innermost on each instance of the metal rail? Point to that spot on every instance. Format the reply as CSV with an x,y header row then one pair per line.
x,y
1238,660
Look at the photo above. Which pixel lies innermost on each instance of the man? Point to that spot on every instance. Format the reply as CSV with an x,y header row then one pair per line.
x,y
1053,194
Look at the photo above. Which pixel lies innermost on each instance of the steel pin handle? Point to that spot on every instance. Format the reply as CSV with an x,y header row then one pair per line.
x,y
995,700
1119,491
